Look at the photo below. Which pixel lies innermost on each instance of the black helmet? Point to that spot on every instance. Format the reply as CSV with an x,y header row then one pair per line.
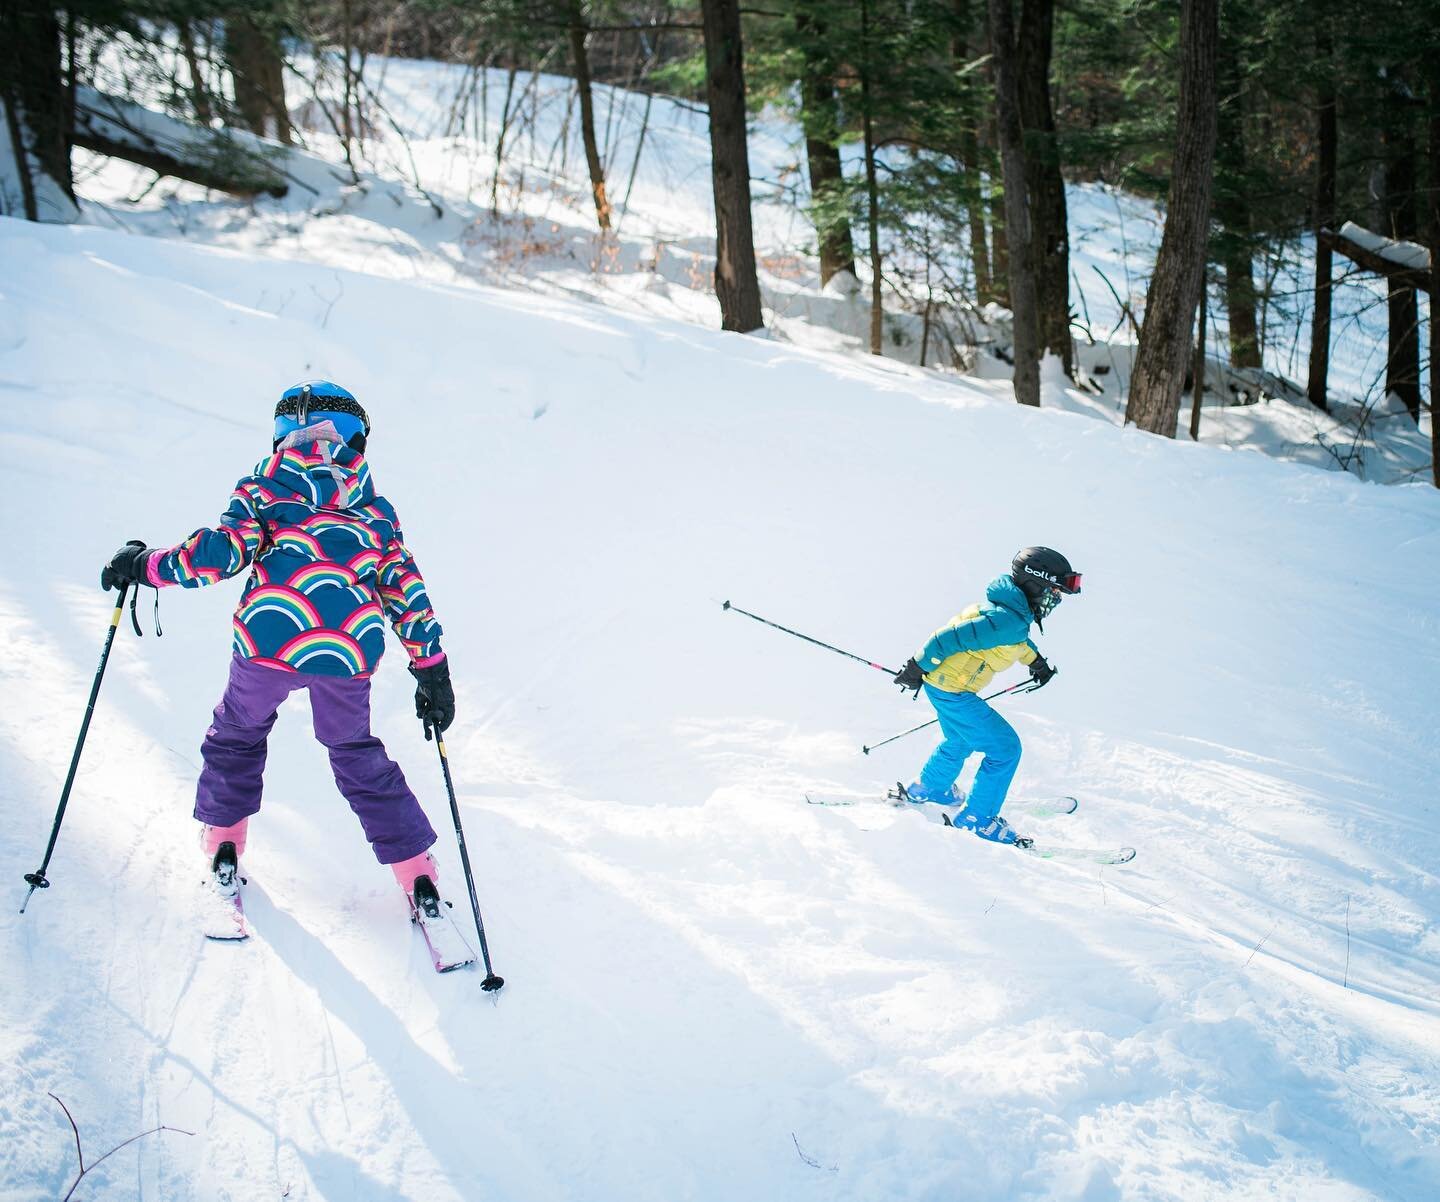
x,y
1043,575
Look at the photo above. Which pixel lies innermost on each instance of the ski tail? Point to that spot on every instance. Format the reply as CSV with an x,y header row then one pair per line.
x,y
446,945
223,918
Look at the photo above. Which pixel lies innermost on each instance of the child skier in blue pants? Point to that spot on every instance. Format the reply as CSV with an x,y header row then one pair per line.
x,y
958,662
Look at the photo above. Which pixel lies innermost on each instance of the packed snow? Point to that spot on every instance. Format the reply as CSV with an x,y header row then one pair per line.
x,y
715,990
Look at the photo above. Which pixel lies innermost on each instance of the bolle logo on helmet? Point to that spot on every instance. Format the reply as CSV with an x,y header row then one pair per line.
x,y
1045,576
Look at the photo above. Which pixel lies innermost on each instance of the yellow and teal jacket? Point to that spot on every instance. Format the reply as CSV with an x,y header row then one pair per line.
x,y
980,641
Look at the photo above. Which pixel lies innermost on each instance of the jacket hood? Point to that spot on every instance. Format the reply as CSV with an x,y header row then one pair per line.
x,y
1004,592
327,474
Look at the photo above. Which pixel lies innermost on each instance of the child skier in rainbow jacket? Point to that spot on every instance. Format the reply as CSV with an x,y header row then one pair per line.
x,y
328,567
958,661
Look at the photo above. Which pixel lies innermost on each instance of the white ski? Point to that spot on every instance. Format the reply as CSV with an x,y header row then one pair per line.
x,y
448,949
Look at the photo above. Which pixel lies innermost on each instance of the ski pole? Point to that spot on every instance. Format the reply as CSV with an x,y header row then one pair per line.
x,y
808,639
1025,686
36,880
491,981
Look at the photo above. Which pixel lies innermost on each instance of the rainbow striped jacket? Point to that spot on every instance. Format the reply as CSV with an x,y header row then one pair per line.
x,y
329,565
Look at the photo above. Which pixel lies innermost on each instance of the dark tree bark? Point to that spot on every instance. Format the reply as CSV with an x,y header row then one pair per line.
x,y
979,244
1049,221
1328,139
32,85
1435,268
999,239
962,51
1159,375
1402,367
736,283
581,59
872,187
252,52
1232,211
820,117
1197,370
199,97
1018,228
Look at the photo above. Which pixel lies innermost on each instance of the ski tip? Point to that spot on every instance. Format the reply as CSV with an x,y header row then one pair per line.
x,y
724,606
1125,856
492,983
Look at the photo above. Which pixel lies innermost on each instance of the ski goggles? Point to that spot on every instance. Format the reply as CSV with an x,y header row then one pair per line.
x,y
347,425
1069,583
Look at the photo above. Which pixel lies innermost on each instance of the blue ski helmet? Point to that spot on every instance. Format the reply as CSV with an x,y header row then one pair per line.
x,y
315,401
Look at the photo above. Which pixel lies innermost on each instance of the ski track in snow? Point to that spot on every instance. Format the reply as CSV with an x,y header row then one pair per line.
x,y
715,990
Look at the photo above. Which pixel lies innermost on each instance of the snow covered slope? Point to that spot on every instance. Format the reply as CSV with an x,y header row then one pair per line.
x,y
529,223
715,991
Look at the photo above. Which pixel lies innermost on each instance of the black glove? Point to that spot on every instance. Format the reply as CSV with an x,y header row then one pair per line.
x,y
434,698
911,676
1041,671
127,566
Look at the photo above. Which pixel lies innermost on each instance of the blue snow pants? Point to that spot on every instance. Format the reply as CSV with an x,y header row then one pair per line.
x,y
970,725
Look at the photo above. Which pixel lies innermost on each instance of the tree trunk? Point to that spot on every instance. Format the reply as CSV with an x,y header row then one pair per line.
x,y
736,283
252,51
962,52
1435,268
1159,374
1197,371
999,240
578,33
821,120
199,97
1232,210
1049,221
872,188
32,85
1317,388
1402,367
979,247
1017,209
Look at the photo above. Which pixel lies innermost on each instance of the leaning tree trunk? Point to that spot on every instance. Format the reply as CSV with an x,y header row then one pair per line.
x,y
736,283
1049,221
1160,360
578,33
821,119
1328,140
32,87
1018,228
252,52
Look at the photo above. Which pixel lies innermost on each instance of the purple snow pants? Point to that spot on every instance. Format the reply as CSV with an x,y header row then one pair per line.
x,y
234,755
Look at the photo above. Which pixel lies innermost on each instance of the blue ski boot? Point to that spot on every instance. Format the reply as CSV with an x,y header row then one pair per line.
x,y
994,829
918,794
